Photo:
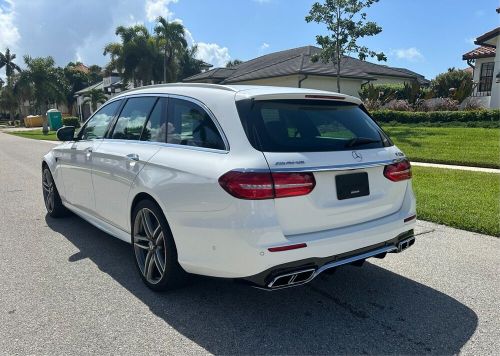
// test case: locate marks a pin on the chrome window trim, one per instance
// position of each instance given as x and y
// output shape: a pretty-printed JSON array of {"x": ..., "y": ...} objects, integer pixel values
[
  {"x": 170, "y": 145},
  {"x": 194, "y": 101},
  {"x": 337, "y": 167}
]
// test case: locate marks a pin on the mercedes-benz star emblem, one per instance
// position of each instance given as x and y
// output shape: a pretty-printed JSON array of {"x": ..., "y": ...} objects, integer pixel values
[{"x": 357, "y": 156}]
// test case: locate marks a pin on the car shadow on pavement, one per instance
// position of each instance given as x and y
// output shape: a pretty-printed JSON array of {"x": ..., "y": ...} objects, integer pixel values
[{"x": 354, "y": 311}]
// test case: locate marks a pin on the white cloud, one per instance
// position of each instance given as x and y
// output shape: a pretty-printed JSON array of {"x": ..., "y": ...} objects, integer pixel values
[
  {"x": 155, "y": 8},
  {"x": 80, "y": 32},
  {"x": 9, "y": 33},
  {"x": 213, "y": 53},
  {"x": 411, "y": 54},
  {"x": 263, "y": 48}
]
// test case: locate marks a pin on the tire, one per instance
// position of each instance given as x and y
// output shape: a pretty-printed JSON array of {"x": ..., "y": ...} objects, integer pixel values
[
  {"x": 51, "y": 196},
  {"x": 154, "y": 248}
]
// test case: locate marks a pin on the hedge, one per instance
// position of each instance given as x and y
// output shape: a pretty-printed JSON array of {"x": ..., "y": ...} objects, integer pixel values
[
  {"x": 489, "y": 117},
  {"x": 71, "y": 121}
]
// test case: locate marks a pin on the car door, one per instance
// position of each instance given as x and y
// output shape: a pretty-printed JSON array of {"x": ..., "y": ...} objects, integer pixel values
[
  {"x": 122, "y": 155},
  {"x": 76, "y": 161}
]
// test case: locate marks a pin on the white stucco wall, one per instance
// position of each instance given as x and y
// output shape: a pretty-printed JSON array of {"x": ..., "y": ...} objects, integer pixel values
[
  {"x": 391, "y": 80},
  {"x": 347, "y": 86},
  {"x": 495, "y": 88},
  {"x": 483, "y": 101}
]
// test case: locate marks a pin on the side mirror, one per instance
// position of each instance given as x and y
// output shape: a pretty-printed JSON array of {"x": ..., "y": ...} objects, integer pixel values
[{"x": 66, "y": 133}]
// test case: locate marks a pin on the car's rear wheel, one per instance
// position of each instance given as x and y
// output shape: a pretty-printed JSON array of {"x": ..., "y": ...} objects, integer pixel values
[
  {"x": 51, "y": 197},
  {"x": 154, "y": 248}
]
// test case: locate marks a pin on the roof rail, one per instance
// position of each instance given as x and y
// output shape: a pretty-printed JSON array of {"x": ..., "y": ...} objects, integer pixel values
[{"x": 192, "y": 85}]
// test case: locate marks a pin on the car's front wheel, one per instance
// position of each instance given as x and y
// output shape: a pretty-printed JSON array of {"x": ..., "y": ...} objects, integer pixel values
[
  {"x": 51, "y": 197},
  {"x": 154, "y": 248}
]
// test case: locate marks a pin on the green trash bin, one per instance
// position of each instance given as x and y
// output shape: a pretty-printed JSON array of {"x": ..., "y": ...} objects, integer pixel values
[{"x": 54, "y": 117}]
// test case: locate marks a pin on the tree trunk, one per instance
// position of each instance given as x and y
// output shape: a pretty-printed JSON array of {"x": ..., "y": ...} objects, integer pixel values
[{"x": 165, "y": 66}]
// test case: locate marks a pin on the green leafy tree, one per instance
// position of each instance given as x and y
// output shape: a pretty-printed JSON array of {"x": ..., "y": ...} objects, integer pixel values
[
  {"x": 8, "y": 101},
  {"x": 346, "y": 24},
  {"x": 95, "y": 97},
  {"x": 95, "y": 74},
  {"x": 77, "y": 79},
  {"x": 233, "y": 63},
  {"x": 170, "y": 38},
  {"x": 44, "y": 83},
  {"x": 189, "y": 64},
  {"x": 454, "y": 83},
  {"x": 7, "y": 61}
]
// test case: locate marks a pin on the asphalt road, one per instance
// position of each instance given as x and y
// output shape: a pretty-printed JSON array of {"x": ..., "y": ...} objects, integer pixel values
[{"x": 67, "y": 288}]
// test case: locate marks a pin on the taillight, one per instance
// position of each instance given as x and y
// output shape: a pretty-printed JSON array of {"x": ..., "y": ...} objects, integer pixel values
[
  {"x": 292, "y": 184},
  {"x": 257, "y": 185},
  {"x": 398, "y": 171}
]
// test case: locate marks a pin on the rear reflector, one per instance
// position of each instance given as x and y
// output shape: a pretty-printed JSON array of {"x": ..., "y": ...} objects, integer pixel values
[
  {"x": 410, "y": 218},
  {"x": 398, "y": 171},
  {"x": 287, "y": 248},
  {"x": 258, "y": 185}
]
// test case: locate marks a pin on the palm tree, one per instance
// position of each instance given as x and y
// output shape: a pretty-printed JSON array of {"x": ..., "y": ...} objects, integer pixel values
[
  {"x": 135, "y": 57},
  {"x": 95, "y": 97},
  {"x": 170, "y": 36},
  {"x": 6, "y": 60}
]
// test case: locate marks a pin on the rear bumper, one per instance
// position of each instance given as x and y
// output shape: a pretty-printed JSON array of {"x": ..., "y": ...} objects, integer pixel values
[
  {"x": 236, "y": 242},
  {"x": 300, "y": 272}
]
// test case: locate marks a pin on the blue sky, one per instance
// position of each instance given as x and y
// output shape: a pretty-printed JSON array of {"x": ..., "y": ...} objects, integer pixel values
[{"x": 426, "y": 36}]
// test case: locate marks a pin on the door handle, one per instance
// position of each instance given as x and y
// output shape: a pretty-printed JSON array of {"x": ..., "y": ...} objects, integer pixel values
[{"x": 133, "y": 156}]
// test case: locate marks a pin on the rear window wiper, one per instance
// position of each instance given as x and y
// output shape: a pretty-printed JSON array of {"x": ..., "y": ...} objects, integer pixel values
[{"x": 359, "y": 141}]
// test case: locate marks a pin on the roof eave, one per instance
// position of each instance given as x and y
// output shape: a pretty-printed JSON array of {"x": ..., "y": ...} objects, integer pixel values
[{"x": 481, "y": 40}]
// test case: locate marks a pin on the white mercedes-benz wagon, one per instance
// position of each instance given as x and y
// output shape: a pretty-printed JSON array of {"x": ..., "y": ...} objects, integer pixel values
[{"x": 267, "y": 185}]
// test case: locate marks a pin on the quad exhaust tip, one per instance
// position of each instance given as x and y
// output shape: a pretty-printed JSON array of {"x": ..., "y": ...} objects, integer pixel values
[{"x": 304, "y": 276}]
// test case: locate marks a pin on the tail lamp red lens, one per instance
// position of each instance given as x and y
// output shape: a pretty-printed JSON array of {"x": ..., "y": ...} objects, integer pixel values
[
  {"x": 266, "y": 185},
  {"x": 398, "y": 171}
]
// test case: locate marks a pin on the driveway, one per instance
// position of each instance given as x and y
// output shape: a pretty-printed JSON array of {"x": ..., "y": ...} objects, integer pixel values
[{"x": 66, "y": 287}]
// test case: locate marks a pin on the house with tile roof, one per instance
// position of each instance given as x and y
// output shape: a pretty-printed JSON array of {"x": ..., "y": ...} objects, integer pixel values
[
  {"x": 294, "y": 68},
  {"x": 485, "y": 62}
]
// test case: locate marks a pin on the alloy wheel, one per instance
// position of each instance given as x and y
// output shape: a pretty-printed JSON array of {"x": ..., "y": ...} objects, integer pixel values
[
  {"x": 149, "y": 245},
  {"x": 48, "y": 190}
]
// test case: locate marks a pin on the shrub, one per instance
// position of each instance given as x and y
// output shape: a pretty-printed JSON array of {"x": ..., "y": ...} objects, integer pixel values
[
  {"x": 398, "y": 105},
  {"x": 476, "y": 118},
  {"x": 71, "y": 121},
  {"x": 437, "y": 104},
  {"x": 457, "y": 80},
  {"x": 383, "y": 94}
]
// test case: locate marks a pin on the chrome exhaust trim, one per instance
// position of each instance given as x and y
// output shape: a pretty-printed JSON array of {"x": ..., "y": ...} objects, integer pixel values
[
  {"x": 292, "y": 279},
  {"x": 304, "y": 276}
]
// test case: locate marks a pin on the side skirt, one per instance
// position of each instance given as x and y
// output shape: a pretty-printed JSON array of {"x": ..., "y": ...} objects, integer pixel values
[{"x": 100, "y": 224}]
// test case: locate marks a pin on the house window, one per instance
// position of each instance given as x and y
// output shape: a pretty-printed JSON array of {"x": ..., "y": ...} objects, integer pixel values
[{"x": 486, "y": 76}]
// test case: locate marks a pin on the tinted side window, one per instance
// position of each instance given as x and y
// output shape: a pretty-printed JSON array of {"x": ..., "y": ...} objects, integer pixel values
[
  {"x": 132, "y": 118},
  {"x": 156, "y": 127},
  {"x": 97, "y": 125},
  {"x": 189, "y": 124}
]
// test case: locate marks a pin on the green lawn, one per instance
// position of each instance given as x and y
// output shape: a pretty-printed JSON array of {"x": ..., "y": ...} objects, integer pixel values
[
  {"x": 35, "y": 134},
  {"x": 466, "y": 146},
  {"x": 462, "y": 199}
]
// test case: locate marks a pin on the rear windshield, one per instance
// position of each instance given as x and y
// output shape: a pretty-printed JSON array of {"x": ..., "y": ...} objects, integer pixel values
[{"x": 309, "y": 126}]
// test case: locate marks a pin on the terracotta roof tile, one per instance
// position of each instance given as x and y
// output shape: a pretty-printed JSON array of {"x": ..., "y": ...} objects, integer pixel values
[{"x": 480, "y": 52}]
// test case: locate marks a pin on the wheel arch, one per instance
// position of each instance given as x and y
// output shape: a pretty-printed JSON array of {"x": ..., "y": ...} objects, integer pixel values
[{"x": 142, "y": 195}]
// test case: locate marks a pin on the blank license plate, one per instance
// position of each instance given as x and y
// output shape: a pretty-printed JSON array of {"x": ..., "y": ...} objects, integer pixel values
[{"x": 352, "y": 185}]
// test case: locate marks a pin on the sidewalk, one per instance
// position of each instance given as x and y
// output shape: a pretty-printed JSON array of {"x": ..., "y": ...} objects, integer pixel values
[{"x": 462, "y": 168}]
